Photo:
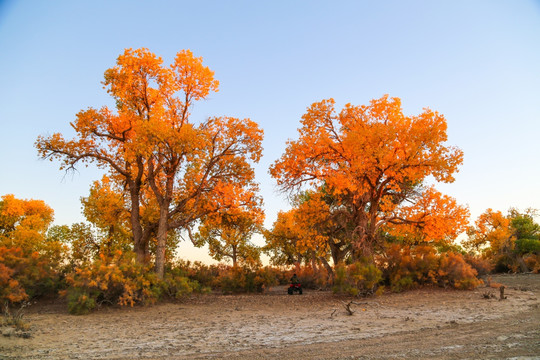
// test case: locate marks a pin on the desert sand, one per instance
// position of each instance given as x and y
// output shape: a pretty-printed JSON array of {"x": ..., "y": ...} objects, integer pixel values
[{"x": 426, "y": 323}]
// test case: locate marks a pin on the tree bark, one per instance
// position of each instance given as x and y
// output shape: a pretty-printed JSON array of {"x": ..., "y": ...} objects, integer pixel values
[
  {"x": 139, "y": 245},
  {"x": 234, "y": 256},
  {"x": 161, "y": 241},
  {"x": 328, "y": 269},
  {"x": 314, "y": 263}
]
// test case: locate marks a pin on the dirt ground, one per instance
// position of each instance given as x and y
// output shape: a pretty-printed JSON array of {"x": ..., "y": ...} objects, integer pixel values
[{"x": 427, "y": 323}]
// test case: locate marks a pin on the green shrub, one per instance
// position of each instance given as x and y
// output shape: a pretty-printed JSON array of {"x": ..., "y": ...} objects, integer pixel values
[
  {"x": 528, "y": 246},
  {"x": 204, "y": 275},
  {"x": 177, "y": 285},
  {"x": 237, "y": 279},
  {"x": 399, "y": 284},
  {"x": 80, "y": 302},
  {"x": 358, "y": 279}
]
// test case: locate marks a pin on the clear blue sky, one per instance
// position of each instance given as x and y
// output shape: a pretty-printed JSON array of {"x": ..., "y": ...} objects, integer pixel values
[{"x": 477, "y": 62}]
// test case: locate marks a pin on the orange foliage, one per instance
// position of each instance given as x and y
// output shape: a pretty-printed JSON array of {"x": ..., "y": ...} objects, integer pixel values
[
  {"x": 299, "y": 235},
  {"x": 532, "y": 261},
  {"x": 407, "y": 267},
  {"x": 312, "y": 231},
  {"x": 309, "y": 277},
  {"x": 491, "y": 229},
  {"x": 312, "y": 216},
  {"x": 115, "y": 279},
  {"x": 373, "y": 158},
  {"x": 482, "y": 265},
  {"x": 228, "y": 234},
  {"x": 10, "y": 288},
  {"x": 154, "y": 151},
  {"x": 23, "y": 222},
  {"x": 105, "y": 206},
  {"x": 29, "y": 262},
  {"x": 454, "y": 271},
  {"x": 441, "y": 217},
  {"x": 282, "y": 239}
]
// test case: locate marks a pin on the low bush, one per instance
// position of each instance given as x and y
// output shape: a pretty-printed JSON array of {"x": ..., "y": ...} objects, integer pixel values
[
  {"x": 406, "y": 267},
  {"x": 506, "y": 263},
  {"x": 455, "y": 272},
  {"x": 117, "y": 279},
  {"x": 532, "y": 262},
  {"x": 309, "y": 277},
  {"x": 81, "y": 301},
  {"x": 175, "y": 285},
  {"x": 482, "y": 265},
  {"x": 237, "y": 279},
  {"x": 204, "y": 275},
  {"x": 265, "y": 277},
  {"x": 26, "y": 275},
  {"x": 361, "y": 278}
]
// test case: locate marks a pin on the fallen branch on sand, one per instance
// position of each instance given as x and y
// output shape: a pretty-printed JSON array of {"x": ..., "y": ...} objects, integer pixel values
[{"x": 350, "y": 311}]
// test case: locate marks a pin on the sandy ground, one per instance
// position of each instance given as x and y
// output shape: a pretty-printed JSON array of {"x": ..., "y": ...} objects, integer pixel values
[{"x": 427, "y": 323}]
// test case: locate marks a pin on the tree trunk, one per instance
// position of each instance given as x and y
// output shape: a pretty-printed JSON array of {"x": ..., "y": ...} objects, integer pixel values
[
  {"x": 161, "y": 241},
  {"x": 139, "y": 245},
  {"x": 234, "y": 256},
  {"x": 164, "y": 201},
  {"x": 314, "y": 263},
  {"x": 140, "y": 252},
  {"x": 328, "y": 269},
  {"x": 522, "y": 266}
]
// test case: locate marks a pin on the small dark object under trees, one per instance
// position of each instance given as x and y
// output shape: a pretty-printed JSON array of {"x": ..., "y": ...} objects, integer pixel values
[{"x": 501, "y": 290}]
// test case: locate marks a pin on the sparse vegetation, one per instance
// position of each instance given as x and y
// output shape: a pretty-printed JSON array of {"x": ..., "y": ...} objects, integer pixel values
[{"x": 12, "y": 321}]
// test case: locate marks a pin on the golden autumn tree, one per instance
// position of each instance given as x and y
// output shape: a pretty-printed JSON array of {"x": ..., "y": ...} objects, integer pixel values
[
  {"x": 282, "y": 241},
  {"x": 507, "y": 240},
  {"x": 23, "y": 223},
  {"x": 153, "y": 150},
  {"x": 84, "y": 242},
  {"x": 228, "y": 234},
  {"x": 216, "y": 174},
  {"x": 29, "y": 259},
  {"x": 492, "y": 232},
  {"x": 374, "y": 160},
  {"x": 113, "y": 140},
  {"x": 325, "y": 224},
  {"x": 310, "y": 232},
  {"x": 105, "y": 208}
]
